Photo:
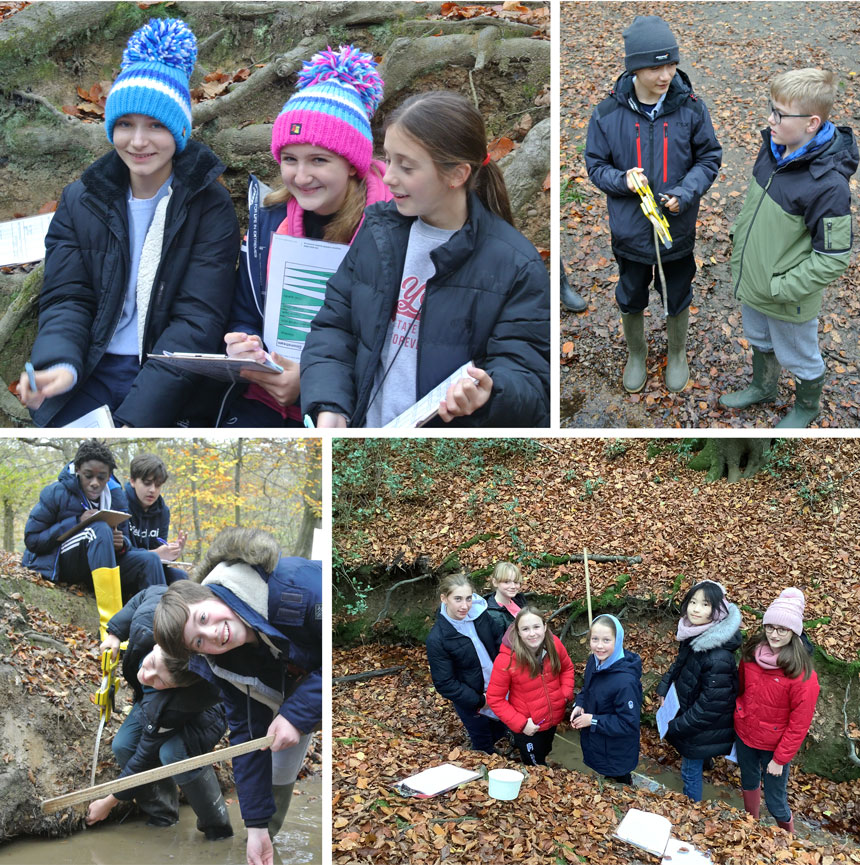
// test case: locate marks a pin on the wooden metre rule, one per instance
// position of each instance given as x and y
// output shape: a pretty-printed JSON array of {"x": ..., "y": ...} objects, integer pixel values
[{"x": 49, "y": 806}]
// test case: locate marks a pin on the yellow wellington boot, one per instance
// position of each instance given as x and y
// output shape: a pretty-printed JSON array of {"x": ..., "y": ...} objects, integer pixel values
[{"x": 108, "y": 595}]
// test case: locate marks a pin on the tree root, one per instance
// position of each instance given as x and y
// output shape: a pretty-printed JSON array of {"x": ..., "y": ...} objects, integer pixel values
[{"x": 853, "y": 756}]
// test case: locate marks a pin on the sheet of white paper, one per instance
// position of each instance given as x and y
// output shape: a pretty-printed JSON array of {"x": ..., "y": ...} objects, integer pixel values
[
  {"x": 98, "y": 418},
  {"x": 299, "y": 269},
  {"x": 646, "y": 830},
  {"x": 420, "y": 412},
  {"x": 733, "y": 754},
  {"x": 23, "y": 240},
  {"x": 683, "y": 853},
  {"x": 439, "y": 778},
  {"x": 668, "y": 710}
]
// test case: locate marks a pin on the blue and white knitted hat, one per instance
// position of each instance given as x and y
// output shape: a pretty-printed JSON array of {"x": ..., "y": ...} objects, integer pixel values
[
  {"x": 337, "y": 94},
  {"x": 156, "y": 66}
]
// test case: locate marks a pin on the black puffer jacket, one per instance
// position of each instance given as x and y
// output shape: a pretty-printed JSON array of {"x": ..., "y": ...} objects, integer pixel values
[
  {"x": 496, "y": 611},
  {"x": 454, "y": 664},
  {"x": 487, "y": 302},
  {"x": 59, "y": 509},
  {"x": 705, "y": 674},
  {"x": 87, "y": 259},
  {"x": 678, "y": 151}
]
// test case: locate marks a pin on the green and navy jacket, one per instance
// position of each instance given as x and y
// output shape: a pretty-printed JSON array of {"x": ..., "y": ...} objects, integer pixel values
[{"x": 793, "y": 234}]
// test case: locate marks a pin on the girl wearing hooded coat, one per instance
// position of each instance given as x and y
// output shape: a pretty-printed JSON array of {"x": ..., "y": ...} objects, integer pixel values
[
  {"x": 777, "y": 692},
  {"x": 706, "y": 680},
  {"x": 461, "y": 647},
  {"x": 323, "y": 144},
  {"x": 607, "y": 709},
  {"x": 531, "y": 684}
]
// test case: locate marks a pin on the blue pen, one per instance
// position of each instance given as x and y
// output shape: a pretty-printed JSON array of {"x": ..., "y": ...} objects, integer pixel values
[
  {"x": 161, "y": 541},
  {"x": 31, "y": 375}
]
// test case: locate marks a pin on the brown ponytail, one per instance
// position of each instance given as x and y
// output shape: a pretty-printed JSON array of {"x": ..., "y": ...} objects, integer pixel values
[{"x": 451, "y": 130}]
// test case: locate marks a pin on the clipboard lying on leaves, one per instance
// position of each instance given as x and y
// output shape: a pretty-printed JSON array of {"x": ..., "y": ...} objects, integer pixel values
[{"x": 436, "y": 780}]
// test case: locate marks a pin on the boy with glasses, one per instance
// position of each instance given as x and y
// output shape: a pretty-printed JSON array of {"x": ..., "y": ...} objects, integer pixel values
[
  {"x": 653, "y": 126},
  {"x": 792, "y": 238}
]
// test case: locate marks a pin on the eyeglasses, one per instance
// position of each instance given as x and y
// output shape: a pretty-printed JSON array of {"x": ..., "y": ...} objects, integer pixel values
[
  {"x": 773, "y": 629},
  {"x": 778, "y": 115}
]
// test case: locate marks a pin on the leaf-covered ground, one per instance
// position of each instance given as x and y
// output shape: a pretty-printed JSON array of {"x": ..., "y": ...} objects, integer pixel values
[
  {"x": 387, "y": 729},
  {"x": 730, "y": 51},
  {"x": 798, "y": 524}
]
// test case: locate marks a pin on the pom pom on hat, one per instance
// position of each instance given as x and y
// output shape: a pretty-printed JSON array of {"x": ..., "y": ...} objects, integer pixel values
[
  {"x": 156, "y": 66},
  {"x": 336, "y": 95},
  {"x": 787, "y": 611}
]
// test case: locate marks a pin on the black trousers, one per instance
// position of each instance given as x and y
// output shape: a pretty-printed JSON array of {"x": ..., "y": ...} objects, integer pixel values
[
  {"x": 635, "y": 278},
  {"x": 533, "y": 749}
]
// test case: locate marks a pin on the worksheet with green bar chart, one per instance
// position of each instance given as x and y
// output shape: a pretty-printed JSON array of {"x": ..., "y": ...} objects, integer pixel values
[{"x": 299, "y": 269}]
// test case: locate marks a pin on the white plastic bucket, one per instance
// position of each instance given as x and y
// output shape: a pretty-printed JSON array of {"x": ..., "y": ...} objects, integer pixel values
[{"x": 504, "y": 783}]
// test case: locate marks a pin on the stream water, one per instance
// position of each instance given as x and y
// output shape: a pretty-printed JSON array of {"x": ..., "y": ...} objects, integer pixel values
[{"x": 132, "y": 842}]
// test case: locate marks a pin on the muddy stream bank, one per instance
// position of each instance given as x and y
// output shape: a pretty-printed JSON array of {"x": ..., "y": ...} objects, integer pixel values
[{"x": 132, "y": 842}]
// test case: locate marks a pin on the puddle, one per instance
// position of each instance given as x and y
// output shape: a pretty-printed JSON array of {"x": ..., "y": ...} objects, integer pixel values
[{"x": 132, "y": 842}]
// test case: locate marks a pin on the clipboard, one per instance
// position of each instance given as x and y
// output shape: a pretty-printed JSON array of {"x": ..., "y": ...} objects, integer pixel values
[
  {"x": 435, "y": 780},
  {"x": 112, "y": 518},
  {"x": 218, "y": 366}
]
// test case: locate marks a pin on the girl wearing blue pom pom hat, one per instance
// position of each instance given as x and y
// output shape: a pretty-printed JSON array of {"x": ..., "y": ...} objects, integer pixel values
[
  {"x": 324, "y": 145},
  {"x": 140, "y": 255},
  {"x": 436, "y": 279}
]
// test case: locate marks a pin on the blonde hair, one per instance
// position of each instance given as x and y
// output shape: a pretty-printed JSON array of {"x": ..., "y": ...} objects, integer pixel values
[
  {"x": 526, "y": 659},
  {"x": 347, "y": 218},
  {"x": 506, "y": 571},
  {"x": 812, "y": 91}
]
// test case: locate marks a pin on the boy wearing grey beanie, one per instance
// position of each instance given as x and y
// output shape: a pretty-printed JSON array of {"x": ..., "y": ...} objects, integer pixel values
[{"x": 653, "y": 126}]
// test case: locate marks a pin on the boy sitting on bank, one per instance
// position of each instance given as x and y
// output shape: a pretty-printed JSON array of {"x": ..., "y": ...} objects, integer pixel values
[
  {"x": 149, "y": 526},
  {"x": 98, "y": 556},
  {"x": 176, "y": 715},
  {"x": 792, "y": 238}
]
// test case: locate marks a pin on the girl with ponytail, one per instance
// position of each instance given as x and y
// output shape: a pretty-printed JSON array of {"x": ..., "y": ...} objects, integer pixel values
[
  {"x": 435, "y": 279},
  {"x": 324, "y": 146}
]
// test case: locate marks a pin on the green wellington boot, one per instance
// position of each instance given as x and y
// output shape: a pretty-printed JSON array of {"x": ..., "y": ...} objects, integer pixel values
[
  {"x": 807, "y": 398},
  {"x": 635, "y": 373},
  {"x": 764, "y": 383},
  {"x": 677, "y": 371}
]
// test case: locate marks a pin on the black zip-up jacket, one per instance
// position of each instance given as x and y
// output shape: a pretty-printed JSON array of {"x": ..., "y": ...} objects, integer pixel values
[
  {"x": 454, "y": 665},
  {"x": 487, "y": 302},
  {"x": 496, "y": 611},
  {"x": 146, "y": 526},
  {"x": 678, "y": 151},
  {"x": 87, "y": 259},
  {"x": 705, "y": 674}
]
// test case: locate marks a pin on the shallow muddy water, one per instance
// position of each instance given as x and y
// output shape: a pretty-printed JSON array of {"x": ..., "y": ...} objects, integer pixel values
[{"x": 132, "y": 842}]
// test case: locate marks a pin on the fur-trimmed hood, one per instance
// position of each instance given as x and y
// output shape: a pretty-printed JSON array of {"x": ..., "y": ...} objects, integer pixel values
[
  {"x": 723, "y": 634},
  {"x": 234, "y": 545}
]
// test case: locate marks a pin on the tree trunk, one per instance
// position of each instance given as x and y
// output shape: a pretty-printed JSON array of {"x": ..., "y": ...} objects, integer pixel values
[
  {"x": 310, "y": 520},
  {"x": 8, "y": 525},
  {"x": 237, "y": 483}
]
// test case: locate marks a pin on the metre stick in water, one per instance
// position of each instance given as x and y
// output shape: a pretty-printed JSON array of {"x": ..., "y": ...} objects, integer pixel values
[{"x": 49, "y": 806}]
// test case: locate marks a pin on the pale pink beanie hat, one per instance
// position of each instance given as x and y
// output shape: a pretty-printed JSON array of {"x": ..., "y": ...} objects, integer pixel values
[{"x": 787, "y": 611}]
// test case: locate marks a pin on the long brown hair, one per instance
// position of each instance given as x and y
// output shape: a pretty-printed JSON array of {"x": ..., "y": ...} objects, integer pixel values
[
  {"x": 525, "y": 658},
  {"x": 345, "y": 222},
  {"x": 794, "y": 659},
  {"x": 451, "y": 130}
]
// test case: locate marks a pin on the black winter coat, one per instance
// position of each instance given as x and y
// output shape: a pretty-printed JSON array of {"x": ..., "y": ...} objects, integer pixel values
[
  {"x": 614, "y": 697},
  {"x": 705, "y": 674},
  {"x": 59, "y": 509},
  {"x": 146, "y": 526},
  {"x": 499, "y": 613},
  {"x": 678, "y": 150},
  {"x": 454, "y": 665},
  {"x": 487, "y": 302},
  {"x": 87, "y": 259},
  {"x": 134, "y": 623}
]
